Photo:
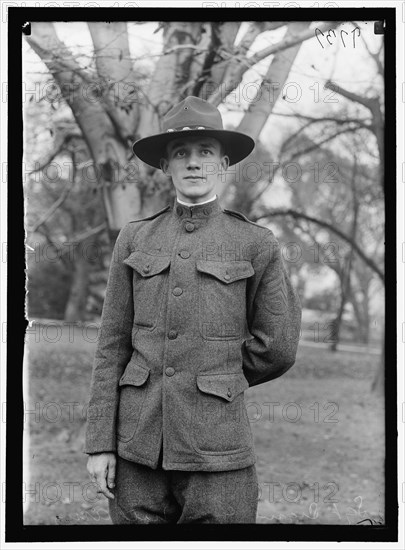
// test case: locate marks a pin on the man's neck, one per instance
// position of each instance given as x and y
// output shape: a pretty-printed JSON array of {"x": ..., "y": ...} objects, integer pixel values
[{"x": 195, "y": 203}]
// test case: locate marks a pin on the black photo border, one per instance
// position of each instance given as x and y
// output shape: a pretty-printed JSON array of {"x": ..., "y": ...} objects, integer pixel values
[{"x": 15, "y": 530}]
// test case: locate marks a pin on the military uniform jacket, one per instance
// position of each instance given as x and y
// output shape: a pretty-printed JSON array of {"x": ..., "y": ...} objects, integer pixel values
[{"x": 198, "y": 308}]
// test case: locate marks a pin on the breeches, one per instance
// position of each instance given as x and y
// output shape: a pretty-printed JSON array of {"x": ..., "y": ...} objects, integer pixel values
[{"x": 143, "y": 495}]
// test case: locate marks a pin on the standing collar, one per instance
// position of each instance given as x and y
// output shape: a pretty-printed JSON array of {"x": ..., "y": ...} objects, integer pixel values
[
  {"x": 203, "y": 210},
  {"x": 191, "y": 204}
]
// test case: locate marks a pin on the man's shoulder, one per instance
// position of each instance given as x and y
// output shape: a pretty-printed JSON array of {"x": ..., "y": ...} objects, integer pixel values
[
  {"x": 152, "y": 216},
  {"x": 129, "y": 230},
  {"x": 245, "y": 219}
]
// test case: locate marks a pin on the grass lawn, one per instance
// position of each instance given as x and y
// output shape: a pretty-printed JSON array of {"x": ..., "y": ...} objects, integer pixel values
[{"x": 318, "y": 430}]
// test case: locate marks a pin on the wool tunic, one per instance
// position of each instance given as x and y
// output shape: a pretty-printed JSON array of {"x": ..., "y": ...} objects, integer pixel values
[{"x": 198, "y": 307}]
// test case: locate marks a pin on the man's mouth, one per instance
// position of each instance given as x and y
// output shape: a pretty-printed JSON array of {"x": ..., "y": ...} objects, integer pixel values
[{"x": 194, "y": 178}]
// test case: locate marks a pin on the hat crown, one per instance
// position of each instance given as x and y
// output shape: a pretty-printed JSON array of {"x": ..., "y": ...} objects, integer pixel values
[{"x": 192, "y": 113}]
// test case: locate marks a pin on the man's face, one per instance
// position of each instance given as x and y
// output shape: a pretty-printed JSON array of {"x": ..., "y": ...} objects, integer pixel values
[{"x": 196, "y": 165}]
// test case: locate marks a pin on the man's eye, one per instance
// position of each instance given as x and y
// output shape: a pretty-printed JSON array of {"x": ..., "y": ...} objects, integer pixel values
[
  {"x": 206, "y": 151},
  {"x": 179, "y": 153}
]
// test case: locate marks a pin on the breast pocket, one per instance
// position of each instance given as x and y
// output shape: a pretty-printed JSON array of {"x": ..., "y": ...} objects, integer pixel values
[
  {"x": 222, "y": 298},
  {"x": 149, "y": 286}
]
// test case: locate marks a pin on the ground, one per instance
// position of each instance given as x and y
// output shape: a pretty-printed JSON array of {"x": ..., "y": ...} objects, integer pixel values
[{"x": 318, "y": 431}]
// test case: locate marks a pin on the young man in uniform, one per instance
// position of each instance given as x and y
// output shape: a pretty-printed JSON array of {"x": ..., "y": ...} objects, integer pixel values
[{"x": 198, "y": 308}]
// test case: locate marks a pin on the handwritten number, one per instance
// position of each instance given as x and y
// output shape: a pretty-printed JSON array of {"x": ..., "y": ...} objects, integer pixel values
[
  {"x": 354, "y": 36},
  {"x": 316, "y": 34},
  {"x": 331, "y": 31},
  {"x": 313, "y": 508},
  {"x": 327, "y": 36}
]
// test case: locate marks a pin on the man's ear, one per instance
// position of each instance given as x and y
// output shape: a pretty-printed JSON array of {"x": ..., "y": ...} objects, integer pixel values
[
  {"x": 164, "y": 166},
  {"x": 225, "y": 162}
]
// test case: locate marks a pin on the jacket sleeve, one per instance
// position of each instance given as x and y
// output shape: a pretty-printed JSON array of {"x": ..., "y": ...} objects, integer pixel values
[
  {"x": 113, "y": 351},
  {"x": 274, "y": 317}
]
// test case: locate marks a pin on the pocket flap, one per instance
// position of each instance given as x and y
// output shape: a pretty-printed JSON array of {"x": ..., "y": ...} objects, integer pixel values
[
  {"x": 227, "y": 272},
  {"x": 134, "y": 375},
  {"x": 227, "y": 386},
  {"x": 146, "y": 264}
]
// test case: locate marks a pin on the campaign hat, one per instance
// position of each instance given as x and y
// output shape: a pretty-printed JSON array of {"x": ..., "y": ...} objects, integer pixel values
[{"x": 193, "y": 117}]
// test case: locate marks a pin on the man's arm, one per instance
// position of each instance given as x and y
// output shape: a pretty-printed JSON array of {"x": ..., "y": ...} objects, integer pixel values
[
  {"x": 274, "y": 317},
  {"x": 113, "y": 352}
]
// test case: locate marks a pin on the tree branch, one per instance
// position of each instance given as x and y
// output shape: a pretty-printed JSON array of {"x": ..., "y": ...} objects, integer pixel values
[
  {"x": 373, "y": 105},
  {"x": 312, "y": 120},
  {"x": 260, "y": 107},
  {"x": 53, "y": 208},
  {"x": 291, "y": 41},
  {"x": 375, "y": 56},
  {"x": 322, "y": 142},
  {"x": 254, "y": 30},
  {"x": 61, "y": 59},
  {"x": 56, "y": 152},
  {"x": 90, "y": 233},
  {"x": 368, "y": 102},
  {"x": 234, "y": 77},
  {"x": 300, "y": 215},
  {"x": 113, "y": 69}
]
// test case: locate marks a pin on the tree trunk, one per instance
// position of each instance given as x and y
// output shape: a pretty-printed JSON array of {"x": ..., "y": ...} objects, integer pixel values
[
  {"x": 169, "y": 75},
  {"x": 261, "y": 106},
  {"x": 168, "y": 85},
  {"x": 112, "y": 113},
  {"x": 116, "y": 174},
  {"x": 346, "y": 272},
  {"x": 345, "y": 285},
  {"x": 238, "y": 65},
  {"x": 362, "y": 318},
  {"x": 76, "y": 305}
]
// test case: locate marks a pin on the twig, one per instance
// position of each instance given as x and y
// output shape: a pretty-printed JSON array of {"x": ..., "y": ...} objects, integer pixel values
[
  {"x": 322, "y": 223},
  {"x": 53, "y": 208}
]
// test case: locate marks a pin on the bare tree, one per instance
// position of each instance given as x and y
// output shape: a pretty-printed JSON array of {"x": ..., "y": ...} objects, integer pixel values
[
  {"x": 113, "y": 104},
  {"x": 316, "y": 134}
]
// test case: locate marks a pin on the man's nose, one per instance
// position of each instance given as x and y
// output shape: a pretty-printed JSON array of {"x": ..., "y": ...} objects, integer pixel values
[{"x": 193, "y": 160}]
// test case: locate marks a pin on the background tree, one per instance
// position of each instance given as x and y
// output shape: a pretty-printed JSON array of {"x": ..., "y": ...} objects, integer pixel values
[
  {"x": 107, "y": 99},
  {"x": 359, "y": 202},
  {"x": 114, "y": 102},
  {"x": 66, "y": 238},
  {"x": 67, "y": 241}
]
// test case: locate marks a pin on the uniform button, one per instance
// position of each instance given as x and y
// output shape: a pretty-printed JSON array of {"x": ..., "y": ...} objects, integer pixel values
[
  {"x": 169, "y": 371},
  {"x": 173, "y": 334},
  {"x": 177, "y": 291},
  {"x": 227, "y": 277},
  {"x": 185, "y": 254},
  {"x": 229, "y": 393},
  {"x": 179, "y": 210},
  {"x": 190, "y": 227},
  {"x": 146, "y": 268},
  {"x": 207, "y": 211}
]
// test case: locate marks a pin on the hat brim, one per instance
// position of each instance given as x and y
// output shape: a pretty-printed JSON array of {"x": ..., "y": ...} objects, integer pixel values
[{"x": 236, "y": 145}]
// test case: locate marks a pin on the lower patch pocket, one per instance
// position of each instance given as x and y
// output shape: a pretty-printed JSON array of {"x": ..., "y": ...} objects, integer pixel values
[
  {"x": 133, "y": 390},
  {"x": 220, "y": 424}
]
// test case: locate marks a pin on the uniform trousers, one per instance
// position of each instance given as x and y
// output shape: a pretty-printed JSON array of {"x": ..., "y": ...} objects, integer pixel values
[{"x": 144, "y": 495}]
